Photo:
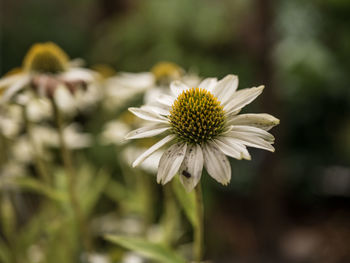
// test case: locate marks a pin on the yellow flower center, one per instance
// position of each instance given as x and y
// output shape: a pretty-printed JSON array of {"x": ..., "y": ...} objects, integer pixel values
[
  {"x": 165, "y": 72},
  {"x": 46, "y": 58},
  {"x": 197, "y": 116}
]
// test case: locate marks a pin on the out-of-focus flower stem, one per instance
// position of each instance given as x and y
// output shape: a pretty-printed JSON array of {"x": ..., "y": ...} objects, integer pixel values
[
  {"x": 198, "y": 230},
  {"x": 71, "y": 176},
  {"x": 38, "y": 162},
  {"x": 170, "y": 214}
]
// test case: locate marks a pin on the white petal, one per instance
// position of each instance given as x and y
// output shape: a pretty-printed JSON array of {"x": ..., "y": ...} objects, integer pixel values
[
  {"x": 156, "y": 109},
  {"x": 252, "y": 131},
  {"x": 147, "y": 114},
  {"x": 147, "y": 131},
  {"x": 141, "y": 80},
  {"x": 216, "y": 163},
  {"x": 166, "y": 100},
  {"x": 152, "y": 149},
  {"x": 177, "y": 87},
  {"x": 15, "y": 87},
  {"x": 228, "y": 149},
  {"x": 242, "y": 98},
  {"x": 252, "y": 141},
  {"x": 208, "y": 84},
  {"x": 225, "y": 88},
  {"x": 192, "y": 166},
  {"x": 83, "y": 74},
  {"x": 9, "y": 80},
  {"x": 170, "y": 162},
  {"x": 263, "y": 121},
  {"x": 235, "y": 145}
]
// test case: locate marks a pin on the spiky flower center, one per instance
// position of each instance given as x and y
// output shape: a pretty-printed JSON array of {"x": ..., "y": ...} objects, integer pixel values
[
  {"x": 197, "y": 116},
  {"x": 46, "y": 58}
]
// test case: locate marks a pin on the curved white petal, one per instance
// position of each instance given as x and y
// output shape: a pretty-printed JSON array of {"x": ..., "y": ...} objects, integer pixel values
[
  {"x": 216, "y": 163},
  {"x": 9, "y": 80},
  {"x": 228, "y": 149},
  {"x": 152, "y": 149},
  {"x": 252, "y": 141},
  {"x": 170, "y": 162},
  {"x": 225, "y": 88},
  {"x": 242, "y": 98},
  {"x": 141, "y": 80},
  {"x": 192, "y": 166},
  {"x": 147, "y": 131},
  {"x": 166, "y": 100},
  {"x": 208, "y": 84},
  {"x": 147, "y": 114},
  {"x": 83, "y": 74},
  {"x": 177, "y": 87},
  {"x": 15, "y": 87},
  {"x": 235, "y": 145},
  {"x": 156, "y": 109},
  {"x": 260, "y": 120},
  {"x": 252, "y": 131}
]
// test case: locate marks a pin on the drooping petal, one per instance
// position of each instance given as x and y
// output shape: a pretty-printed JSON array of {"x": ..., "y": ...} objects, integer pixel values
[
  {"x": 177, "y": 87},
  {"x": 228, "y": 149},
  {"x": 9, "y": 80},
  {"x": 170, "y": 162},
  {"x": 252, "y": 131},
  {"x": 166, "y": 100},
  {"x": 239, "y": 146},
  {"x": 152, "y": 149},
  {"x": 216, "y": 163},
  {"x": 74, "y": 74},
  {"x": 147, "y": 131},
  {"x": 252, "y": 141},
  {"x": 192, "y": 166},
  {"x": 208, "y": 84},
  {"x": 225, "y": 88},
  {"x": 230, "y": 146},
  {"x": 263, "y": 120},
  {"x": 242, "y": 98},
  {"x": 16, "y": 86},
  {"x": 148, "y": 114},
  {"x": 156, "y": 109}
]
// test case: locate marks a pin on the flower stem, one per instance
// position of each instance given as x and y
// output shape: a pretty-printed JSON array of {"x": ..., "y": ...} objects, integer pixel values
[
  {"x": 38, "y": 162},
  {"x": 198, "y": 230},
  {"x": 71, "y": 176}
]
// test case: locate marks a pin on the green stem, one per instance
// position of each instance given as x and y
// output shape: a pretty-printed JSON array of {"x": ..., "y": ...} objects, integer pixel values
[
  {"x": 198, "y": 230},
  {"x": 71, "y": 178},
  {"x": 170, "y": 215},
  {"x": 38, "y": 162}
]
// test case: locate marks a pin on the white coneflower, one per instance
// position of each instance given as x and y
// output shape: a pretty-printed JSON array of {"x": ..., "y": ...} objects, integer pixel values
[
  {"x": 203, "y": 126},
  {"x": 45, "y": 68}
]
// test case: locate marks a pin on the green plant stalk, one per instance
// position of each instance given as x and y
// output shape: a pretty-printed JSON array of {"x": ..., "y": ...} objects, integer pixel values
[
  {"x": 198, "y": 230},
  {"x": 38, "y": 162},
  {"x": 170, "y": 215},
  {"x": 71, "y": 176}
]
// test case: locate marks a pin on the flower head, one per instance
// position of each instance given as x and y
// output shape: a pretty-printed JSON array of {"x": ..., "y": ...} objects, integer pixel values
[
  {"x": 165, "y": 72},
  {"x": 45, "y": 68},
  {"x": 46, "y": 58},
  {"x": 202, "y": 126}
]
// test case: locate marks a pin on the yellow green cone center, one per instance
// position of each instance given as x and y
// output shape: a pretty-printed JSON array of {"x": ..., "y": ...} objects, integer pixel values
[
  {"x": 46, "y": 58},
  {"x": 197, "y": 116}
]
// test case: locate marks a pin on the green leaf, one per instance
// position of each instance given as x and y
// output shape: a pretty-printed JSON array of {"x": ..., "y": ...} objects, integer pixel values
[
  {"x": 157, "y": 252},
  {"x": 187, "y": 201}
]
